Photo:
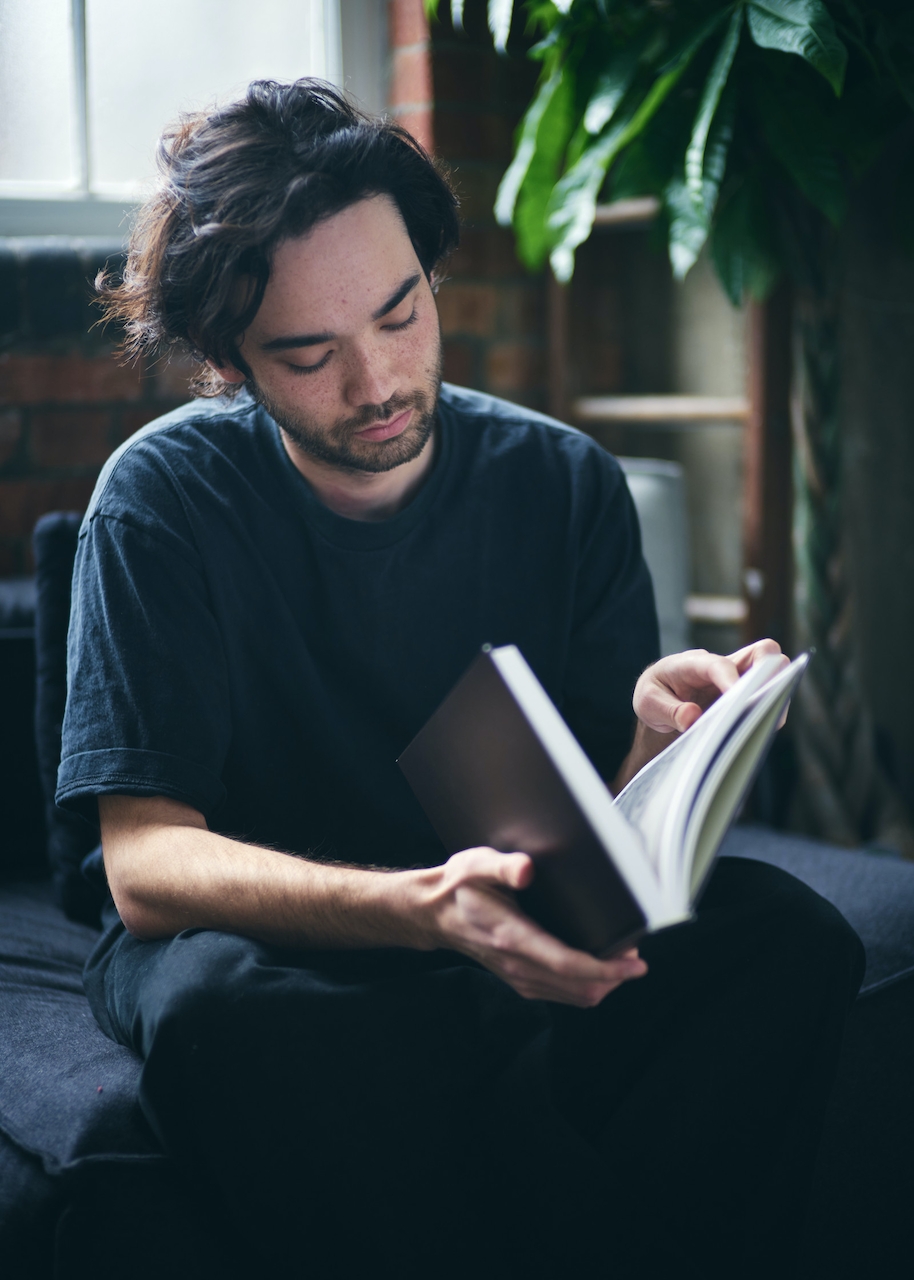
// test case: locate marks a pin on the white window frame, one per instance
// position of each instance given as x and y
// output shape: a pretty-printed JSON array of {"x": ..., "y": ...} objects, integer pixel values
[{"x": 81, "y": 212}]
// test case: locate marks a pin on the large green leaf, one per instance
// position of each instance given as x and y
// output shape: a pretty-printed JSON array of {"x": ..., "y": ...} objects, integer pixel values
[
  {"x": 803, "y": 27},
  {"x": 612, "y": 86},
  {"x": 573, "y": 203},
  {"x": 800, "y": 136},
  {"x": 500, "y": 14},
  {"x": 689, "y": 218},
  {"x": 547, "y": 103},
  {"x": 710, "y": 98},
  {"x": 530, "y": 199},
  {"x": 688, "y": 227},
  {"x": 743, "y": 246},
  {"x": 895, "y": 42}
]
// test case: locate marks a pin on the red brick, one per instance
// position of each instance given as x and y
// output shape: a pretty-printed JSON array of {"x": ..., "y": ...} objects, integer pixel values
[
  {"x": 470, "y": 135},
  {"x": 56, "y": 379},
  {"x": 171, "y": 377},
  {"x": 10, "y": 434},
  {"x": 604, "y": 368},
  {"x": 70, "y": 437},
  {"x": 521, "y": 311},
  {"x": 419, "y": 124},
  {"x": 410, "y": 78},
  {"x": 129, "y": 421},
  {"x": 23, "y": 501},
  {"x": 459, "y": 364},
  {"x": 486, "y": 252},
  {"x": 464, "y": 74},
  {"x": 476, "y": 186},
  {"x": 513, "y": 367},
  {"x": 406, "y": 23},
  {"x": 468, "y": 308}
]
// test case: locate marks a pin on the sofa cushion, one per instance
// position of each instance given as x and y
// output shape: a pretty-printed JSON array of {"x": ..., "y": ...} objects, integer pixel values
[
  {"x": 873, "y": 891},
  {"x": 67, "y": 1093},
  {"x": 70, "y": 839}
]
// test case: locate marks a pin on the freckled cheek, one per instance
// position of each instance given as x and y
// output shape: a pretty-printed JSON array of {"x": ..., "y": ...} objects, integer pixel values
[
  {"x": 421, "y": 345},
  {"x": 314, "y": 396}
]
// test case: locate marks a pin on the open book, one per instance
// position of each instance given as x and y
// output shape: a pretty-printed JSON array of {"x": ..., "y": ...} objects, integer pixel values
[{"x": 497, "y": 765}]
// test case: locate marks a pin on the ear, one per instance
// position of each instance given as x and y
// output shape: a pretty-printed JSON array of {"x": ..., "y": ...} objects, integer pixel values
[{"x": 227, "y": 372}]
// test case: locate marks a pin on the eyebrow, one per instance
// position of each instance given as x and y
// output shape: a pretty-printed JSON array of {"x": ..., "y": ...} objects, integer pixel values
[{"x": 316, "y": 339}]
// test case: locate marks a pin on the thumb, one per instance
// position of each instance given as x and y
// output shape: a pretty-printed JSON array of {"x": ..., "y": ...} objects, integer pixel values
[{"x": 515, "y": 870}]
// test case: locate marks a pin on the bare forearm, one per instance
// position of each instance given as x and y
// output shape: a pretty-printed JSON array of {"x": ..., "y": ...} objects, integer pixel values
[
  {"x": 167, "y": 876},
  {"x": 168, "y": 872}
]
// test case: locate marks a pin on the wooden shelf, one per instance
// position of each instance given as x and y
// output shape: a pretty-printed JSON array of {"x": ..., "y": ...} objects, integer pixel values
[
  {"x": 731, "y": 610},
  {"x": 627, "y": 213},
  {"x": 660, "y": 409}
]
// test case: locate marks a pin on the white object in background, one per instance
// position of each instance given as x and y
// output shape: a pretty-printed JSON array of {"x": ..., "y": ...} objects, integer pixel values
[
  {"x": 86, "y": 129},
  {"x": 141, "y": 73},
  {"x": 658, "y": 492},
  {"x": 363, "y": 30},
  {"x": 38, "y": 143}
]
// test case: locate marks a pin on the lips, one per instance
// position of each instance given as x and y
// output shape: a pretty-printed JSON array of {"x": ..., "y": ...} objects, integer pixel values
[{"x": 386, "y": 430}]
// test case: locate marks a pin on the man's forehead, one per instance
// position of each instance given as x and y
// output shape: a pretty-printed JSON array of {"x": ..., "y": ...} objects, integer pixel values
[{"x": 354, "y": 260}]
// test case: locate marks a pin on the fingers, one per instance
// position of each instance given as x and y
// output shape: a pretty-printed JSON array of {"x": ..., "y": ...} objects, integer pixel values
[
  {"x": 753, "y": 653},
  {"x": 479, "y": 919},
  {"x": 671, "y": 695},
  {"x": 542, "y": 968}
]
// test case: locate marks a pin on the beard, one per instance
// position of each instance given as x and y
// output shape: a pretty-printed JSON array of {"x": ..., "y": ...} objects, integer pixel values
[{"x": 340, "y": 444}]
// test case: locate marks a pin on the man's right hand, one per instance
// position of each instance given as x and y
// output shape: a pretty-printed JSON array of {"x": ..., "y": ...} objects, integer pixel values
[
  {"x": 167, "y": 872},
  {"x": 473, "y": 911}
]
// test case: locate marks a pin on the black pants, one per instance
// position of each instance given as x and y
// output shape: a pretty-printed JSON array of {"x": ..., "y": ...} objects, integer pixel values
[{"x": 404, "y": 1114}]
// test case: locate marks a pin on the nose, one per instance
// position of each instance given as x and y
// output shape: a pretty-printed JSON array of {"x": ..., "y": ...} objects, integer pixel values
[{"x": 370, "y": 379}]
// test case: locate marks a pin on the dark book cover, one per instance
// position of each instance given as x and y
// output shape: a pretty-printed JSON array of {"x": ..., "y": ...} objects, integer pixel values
[{"x": 484, "y": 777}]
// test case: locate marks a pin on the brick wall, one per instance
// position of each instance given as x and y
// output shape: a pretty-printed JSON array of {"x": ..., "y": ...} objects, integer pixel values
[
  {"x": 65, "y": 400},
  {"x": 463, "y": 101},
  {"x": 492, "y": 310}
]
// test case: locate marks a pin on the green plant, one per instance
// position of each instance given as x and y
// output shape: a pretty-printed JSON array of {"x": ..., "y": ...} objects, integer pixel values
[
  {"x": 748, "y": 120},
  {"x": 751, "y": 121}
]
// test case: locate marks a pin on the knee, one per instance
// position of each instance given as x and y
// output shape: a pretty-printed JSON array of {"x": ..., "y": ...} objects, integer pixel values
[
  {"x": 196, "y": 993},
  {"x": 805, "y": 929}
]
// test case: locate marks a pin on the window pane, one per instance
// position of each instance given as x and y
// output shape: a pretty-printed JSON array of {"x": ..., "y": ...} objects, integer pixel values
[
  {"x": 37, "y": 98},
  {"x": 148, "y": 62}
]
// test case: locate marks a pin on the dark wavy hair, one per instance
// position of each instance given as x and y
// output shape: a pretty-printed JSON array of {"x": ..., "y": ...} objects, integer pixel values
[{"x": 236, "y": 182}]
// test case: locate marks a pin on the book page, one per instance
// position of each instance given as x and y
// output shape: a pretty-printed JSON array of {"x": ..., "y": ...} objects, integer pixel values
[
  {"x": 731, "y": 775},
  {"x": 660, "y": 796}
]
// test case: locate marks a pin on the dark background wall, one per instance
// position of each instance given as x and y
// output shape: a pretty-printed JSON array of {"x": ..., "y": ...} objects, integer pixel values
[
  {"x": 877, "y": 372},
  {"x": 463, "y": 102},
  {"x": 66, "y": 401}
]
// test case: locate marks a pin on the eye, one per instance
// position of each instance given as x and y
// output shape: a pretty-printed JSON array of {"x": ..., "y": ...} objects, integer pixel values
[
  {"x": 308, "y": 368},
  {"x": 404, "y": 324}
]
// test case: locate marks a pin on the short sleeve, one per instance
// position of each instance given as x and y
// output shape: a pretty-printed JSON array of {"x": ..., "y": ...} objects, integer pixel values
[
  {"x": 147, "y": 705},
  {"x": 614, "y": 632}
]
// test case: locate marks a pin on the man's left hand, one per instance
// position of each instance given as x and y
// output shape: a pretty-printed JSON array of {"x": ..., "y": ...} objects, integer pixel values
[{"x": 671, "y": 695}]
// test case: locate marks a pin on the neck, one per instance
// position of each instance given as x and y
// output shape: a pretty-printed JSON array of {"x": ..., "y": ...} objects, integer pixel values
[{"x": 363, "y": 495}]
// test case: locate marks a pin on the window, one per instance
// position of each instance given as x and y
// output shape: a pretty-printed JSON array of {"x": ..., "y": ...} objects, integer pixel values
[{"x": 86, "y": 87}]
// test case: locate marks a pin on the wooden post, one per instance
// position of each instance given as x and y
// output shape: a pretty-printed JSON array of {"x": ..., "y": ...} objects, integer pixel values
[
  {"x": 557, "y": 346},
  {"x": 767, "y": 483}
]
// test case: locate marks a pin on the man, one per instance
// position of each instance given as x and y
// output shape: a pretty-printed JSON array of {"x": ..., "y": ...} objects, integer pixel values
[{"x": 369, "y": 1052}]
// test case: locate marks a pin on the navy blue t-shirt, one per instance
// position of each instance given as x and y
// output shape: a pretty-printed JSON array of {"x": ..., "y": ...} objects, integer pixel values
[{"x": 236, "y": 645}]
